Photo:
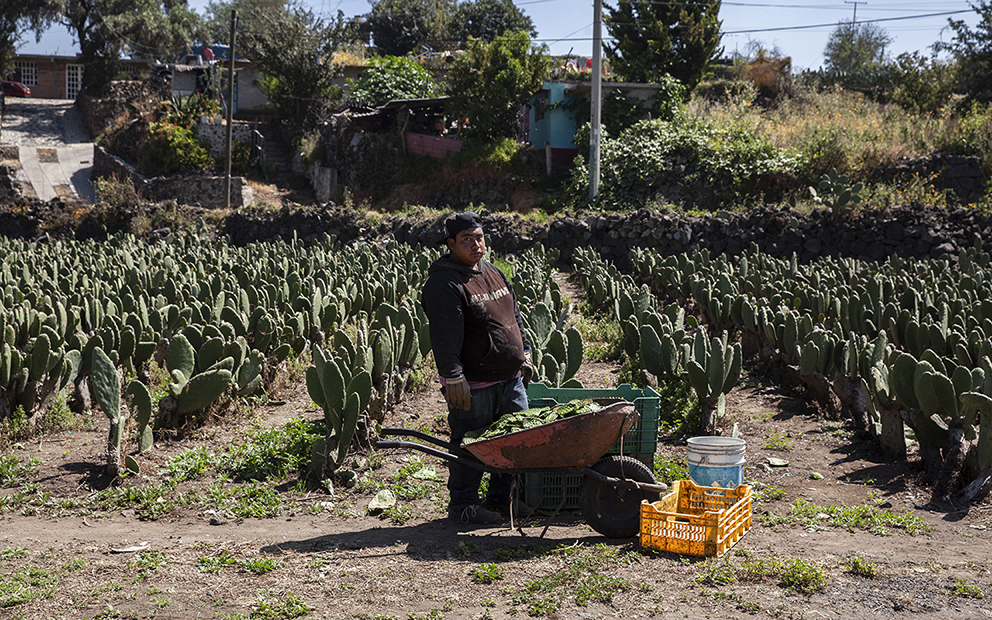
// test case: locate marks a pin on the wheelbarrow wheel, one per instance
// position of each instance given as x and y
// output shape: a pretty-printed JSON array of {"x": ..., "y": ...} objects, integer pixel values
[{"x": 614, "y": 511}]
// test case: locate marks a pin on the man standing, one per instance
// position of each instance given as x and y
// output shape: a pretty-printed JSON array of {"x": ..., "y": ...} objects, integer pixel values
[{"x": 481, "y": 352}]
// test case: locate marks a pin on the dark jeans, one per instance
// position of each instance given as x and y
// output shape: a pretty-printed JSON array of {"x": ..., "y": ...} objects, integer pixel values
[{"x": 488, "y": 404}]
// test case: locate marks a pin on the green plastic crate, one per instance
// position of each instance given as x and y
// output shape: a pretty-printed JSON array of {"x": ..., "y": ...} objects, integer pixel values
[{"x": 544, "y": 491}]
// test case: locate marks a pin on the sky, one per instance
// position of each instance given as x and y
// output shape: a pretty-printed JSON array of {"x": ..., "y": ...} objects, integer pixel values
[{"x": 796, "y": 28}]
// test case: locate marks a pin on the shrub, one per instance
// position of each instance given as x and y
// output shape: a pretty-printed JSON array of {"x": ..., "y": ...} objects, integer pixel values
[
  {"x": 242, "y": 162},
  {"x": 974, "y": 135},
  {"x": 922, "y": 86},
  {"x": 172, "y": 148},
  {"x": 391, "y": 78},
  {"x": 116, "y": 192},
  {"x": 715, "y": 168},
  {"x": 825, "y": 150},
  {"x": 186, "y": 111}
]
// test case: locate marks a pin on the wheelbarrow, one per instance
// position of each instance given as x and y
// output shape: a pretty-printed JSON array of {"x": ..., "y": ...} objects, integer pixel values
[{"x": 612, "y": 486}]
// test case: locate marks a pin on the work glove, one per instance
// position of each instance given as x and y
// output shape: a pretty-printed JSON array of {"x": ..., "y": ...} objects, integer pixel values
[
  {"x": 457, "y": 393},
  {"x": 527, "y": 370}
]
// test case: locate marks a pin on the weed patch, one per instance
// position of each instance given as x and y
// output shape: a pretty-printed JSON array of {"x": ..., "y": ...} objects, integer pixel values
[
  {"x": 878, "y": 521},
  {"x": 247, "y": 500},
  {"x": 14, "y": 469},
  {"x": 861, "y": 567},
  {"x": 961, "y": 588},
  {"x": 778, "y": 441}
]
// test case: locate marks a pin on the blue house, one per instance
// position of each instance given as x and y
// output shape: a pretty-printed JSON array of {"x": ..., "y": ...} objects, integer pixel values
[{"x": 551, "y": 121}]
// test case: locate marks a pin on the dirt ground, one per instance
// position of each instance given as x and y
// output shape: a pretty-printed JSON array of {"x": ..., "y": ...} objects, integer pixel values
[{"x": 330, "y": 559}]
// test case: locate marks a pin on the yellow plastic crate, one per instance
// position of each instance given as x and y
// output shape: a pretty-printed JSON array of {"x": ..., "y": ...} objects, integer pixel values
[{"x": 696, "y": 520}]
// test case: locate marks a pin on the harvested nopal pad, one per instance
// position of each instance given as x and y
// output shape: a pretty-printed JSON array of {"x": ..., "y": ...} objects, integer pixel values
[{"x": 523, "y": 420}]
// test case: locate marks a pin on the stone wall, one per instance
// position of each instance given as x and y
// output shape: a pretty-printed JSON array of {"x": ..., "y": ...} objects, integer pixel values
[
  {"x": 11, "y": 187},
  {"x": 124, "y": 101},
  {"x": 961, "y": 175},
  {"x": 203, "y": 191},
  {"x": 913, "y": 230},
  {"x": 216, "y": 135}
]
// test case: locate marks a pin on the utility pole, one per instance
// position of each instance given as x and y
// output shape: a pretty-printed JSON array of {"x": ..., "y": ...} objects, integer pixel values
[
  {"x": 597, "y": 97},
  {"x": 230, "y": 110},
  {"x": 855, "y": 20}
]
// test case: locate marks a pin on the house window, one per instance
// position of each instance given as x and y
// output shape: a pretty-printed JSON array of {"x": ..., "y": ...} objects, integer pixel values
[
  {"x": 27, "y": 72},
  {"x": 540, "y": 105}
]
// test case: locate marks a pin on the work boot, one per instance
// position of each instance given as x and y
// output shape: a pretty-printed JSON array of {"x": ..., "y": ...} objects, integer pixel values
[
  {"x": 520, "y": 509},
  {"x": 474, "y": 514}
]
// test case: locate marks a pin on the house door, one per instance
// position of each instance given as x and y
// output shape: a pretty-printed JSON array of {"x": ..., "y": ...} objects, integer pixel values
[{"x": 73, "y": 80}]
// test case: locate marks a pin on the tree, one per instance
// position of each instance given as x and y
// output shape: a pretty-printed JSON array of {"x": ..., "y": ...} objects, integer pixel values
[
  {"x": 391, "y": 78},
  {"x": 853, "y": 46},
  {"x": 923, "y": 86},
  {"x": 490, "y": 81},
  {"x": 651, "y": 39},
  {"x": 294, "y": 51},
  {"x": 217, "y": 19},
  {"x": 17, "y": 18},
  {"x": 973, "y": 51},
  {"x": 105, "y": 29},
  {"x": 487, "y": 19},
  {"x": 403, "y": 26}
]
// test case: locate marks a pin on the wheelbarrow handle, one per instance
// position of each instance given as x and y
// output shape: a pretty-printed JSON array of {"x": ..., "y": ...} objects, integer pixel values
[
  {"x": 409, "y": 432},
  {"x": 465, "y": 459},
  {"x": 661, "y": 487}
]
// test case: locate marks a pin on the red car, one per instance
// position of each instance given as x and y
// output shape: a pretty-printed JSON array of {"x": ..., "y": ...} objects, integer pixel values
[{"x": 15, "y": 89}]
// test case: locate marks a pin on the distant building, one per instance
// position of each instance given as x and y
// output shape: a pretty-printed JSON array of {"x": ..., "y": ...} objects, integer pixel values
[{"x": 58, "y": 77}]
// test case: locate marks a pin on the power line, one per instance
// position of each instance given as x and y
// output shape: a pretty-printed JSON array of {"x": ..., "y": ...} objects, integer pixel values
[
  {"x": 866, "y": 21},
  {"x": 777, "y": 29}
]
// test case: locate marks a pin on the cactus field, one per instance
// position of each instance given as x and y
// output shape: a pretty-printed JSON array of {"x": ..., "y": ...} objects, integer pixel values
[{"x": 187, "y": 431}]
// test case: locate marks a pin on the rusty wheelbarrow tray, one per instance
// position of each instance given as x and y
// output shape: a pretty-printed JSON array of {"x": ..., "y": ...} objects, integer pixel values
[
  {"x": 575, "y": 441},
  {"x": 612, "y": 486}
]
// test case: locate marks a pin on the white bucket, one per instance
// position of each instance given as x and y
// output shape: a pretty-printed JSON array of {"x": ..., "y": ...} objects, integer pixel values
[{"x": 716, "y": 461}]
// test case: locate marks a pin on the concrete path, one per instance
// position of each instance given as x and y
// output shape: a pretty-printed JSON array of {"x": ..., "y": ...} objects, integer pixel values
[{"x": 56, "y": 155}]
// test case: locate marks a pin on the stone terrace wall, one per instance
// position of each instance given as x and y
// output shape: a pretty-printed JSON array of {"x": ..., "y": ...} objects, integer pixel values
[
  {"x": 913, "y": 230},
  {"x": 204, "y": 191}
]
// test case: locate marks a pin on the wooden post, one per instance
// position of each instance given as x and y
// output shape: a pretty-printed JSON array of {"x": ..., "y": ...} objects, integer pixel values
[{"x": 230, "y": 110}]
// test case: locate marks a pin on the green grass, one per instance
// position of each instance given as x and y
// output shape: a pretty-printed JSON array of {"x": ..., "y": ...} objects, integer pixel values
[
  {"x": 793, "y": 574},
  {"x": 716, "y": 574},
  {"x": 871, "y": 519},
  {"x": 765, "y": 493},
  {"x": 151, "y": 501},
  {"x": 150, "y": 560},
  {"x": 600, "y": 336},
  {"x": 415, "y": 480},
  {"x": 26, "y": 584}
]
